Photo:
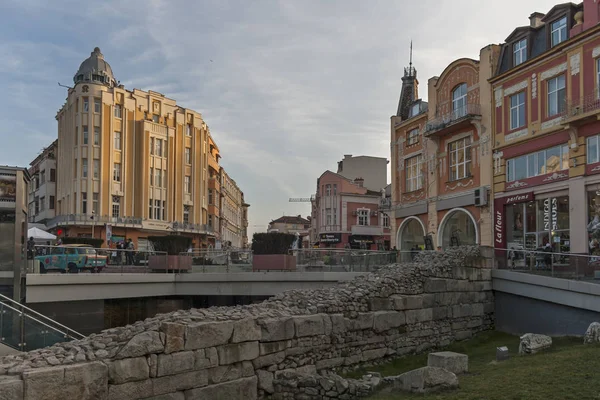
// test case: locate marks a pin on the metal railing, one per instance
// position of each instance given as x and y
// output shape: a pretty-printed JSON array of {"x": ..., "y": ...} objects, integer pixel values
[
  {"x": 573, "y": 108},
  {"x": 97, "y": 219},
  {"x": 557, "y": 265},
  {"x": 342, "y": 260},
  {"x": 226, "y": 260},
  {"x": 24, "y": 329},
  {"x": 443, "y": 120}
]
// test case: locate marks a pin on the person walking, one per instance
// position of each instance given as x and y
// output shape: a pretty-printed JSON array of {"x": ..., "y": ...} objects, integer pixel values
[{"x": 130, "y": 249}]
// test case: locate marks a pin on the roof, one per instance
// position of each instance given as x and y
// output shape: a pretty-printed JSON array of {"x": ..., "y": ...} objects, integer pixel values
[
  {"x": 95, "y": 69},
  {"x": 286, "y": 219}
]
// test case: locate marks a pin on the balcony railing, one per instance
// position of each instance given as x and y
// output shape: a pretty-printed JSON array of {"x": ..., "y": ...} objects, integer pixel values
[
  {"x": 179, "y": 226},
  {"x": 86, "y": 219},
  {"x": 448, "y": 119},
  {"x": 577, "y": 108}
]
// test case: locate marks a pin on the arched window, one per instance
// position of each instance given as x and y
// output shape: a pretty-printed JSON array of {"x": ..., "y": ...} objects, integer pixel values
[
  {"x": 457, "y": 229},
  {"x": 411, "y": 233},
  {"x": 459, "y": 101}
]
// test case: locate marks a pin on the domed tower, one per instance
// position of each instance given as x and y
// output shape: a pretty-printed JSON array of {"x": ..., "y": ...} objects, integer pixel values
[{"x": 95, "y": 70}]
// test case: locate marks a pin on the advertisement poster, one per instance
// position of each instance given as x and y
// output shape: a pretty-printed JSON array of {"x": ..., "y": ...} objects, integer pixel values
[
  {"x": 108, "y": 233},
  {"x": 8, "y": 188}
]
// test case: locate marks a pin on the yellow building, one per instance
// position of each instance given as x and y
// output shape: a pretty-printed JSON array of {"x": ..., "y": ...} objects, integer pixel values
[
  {"x": 132, "y": 163},
  {"x": 232, "y": 212}
]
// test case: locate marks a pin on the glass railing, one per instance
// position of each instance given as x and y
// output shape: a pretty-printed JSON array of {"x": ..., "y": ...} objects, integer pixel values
[{"x": 24, "y": 329}]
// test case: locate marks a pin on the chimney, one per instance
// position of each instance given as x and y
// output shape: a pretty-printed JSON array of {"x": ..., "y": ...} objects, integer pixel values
[
  {"x": 359, "y": 181},
  {"x": 535, "y": 19}
]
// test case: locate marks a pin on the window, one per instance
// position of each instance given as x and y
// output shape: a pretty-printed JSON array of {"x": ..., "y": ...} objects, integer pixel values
[
  {"x": 118, "y": 111},
  {"x": 76, "y": 135},
  {"x": 334, "y": 189},
  {"x": 95, "y": 200},
  {"x": 84, "y": 202},
  {"x": 415, "y": 109},
  {"x": 517, "y": 110},
  {"x": 414, "y": 173},
  {"x": 42, "y": 203},
  {"x": 158, "y": 148},
  {"x": 210, "y": 221},
  {"x": 556, "y": 95},
  {"x": 155, "y": 118},
  {"x": 460, "y": 159},
  {"x": 328, "y": 190},
  {"x": 84, "y": 167},
  {"x": 188, "y": 155},
  {"x": 151, "y": 180},
  {"x": 151, "y": 146},
  {"x": 558, "y": 31},
  {"x": 328, "y": 216},
  {"x": 459, "y": 101},
  {"x": 156, "y": 209},
  {"x": 188, "y": 130},
  {"x": 75, "y": 169},
  {"x": 542, "y": 162},
  {"x": 520, "y": 52},
  {"x": 186, "y": 213},
  {"x": 164, "y": 208},
  {"x": 116, "y": 206},
  {"x": 97, "y": 136},
  {"x": 51, "y": 203},
  {"x": 158, "y": 177},
  {"x": 52, "y": 175},
  {"x": 187, "y": 185},
  {"x": 593, "y": 150},
  {"x": 96, "y": 105},
  {"x": 86, "y": 105},
  {"x": 386, "y": 220},
  {"x": 210, "y": 196},
  {"x": 96, "y": 168},
  {"x": 598, "y": 76},
  {"x": 117, "y": 172},
  {"x": 363, "y": 217},
  {"x": 117, "y": 140},
  {"x": 85, "y": 134},
  {"x": 412, "y": 137}
]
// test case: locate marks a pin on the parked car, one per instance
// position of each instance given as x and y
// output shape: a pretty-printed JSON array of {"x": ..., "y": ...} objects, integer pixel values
[{"x": 72, "y": 258}]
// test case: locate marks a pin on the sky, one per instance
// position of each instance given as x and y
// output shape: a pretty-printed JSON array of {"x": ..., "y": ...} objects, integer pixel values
[{"x": 287, "y": 87}]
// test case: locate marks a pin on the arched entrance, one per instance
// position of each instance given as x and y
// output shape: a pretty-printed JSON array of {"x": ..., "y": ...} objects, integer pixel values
[
  {"x": 410, "y": 233},
  {"x": 458, "y": 227}
]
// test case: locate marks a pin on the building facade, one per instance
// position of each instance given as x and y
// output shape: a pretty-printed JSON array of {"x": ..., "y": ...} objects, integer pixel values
[
  {"x": 346, "y": 214},
  {"x": 546, "y": 161},
  {"x": 290, "y": 224},
  {"x": 42, "y": 188},
  {"x": 245, "y": 206},
  {"x": 132, "y": 163},
  {"x": 231, "y": 212},
  {"x": 441, "y": 155},
  {"x": 372, "y": 170}
]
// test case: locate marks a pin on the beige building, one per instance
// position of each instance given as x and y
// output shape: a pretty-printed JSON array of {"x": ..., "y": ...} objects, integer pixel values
[
  {"x": 244, "y": 222},
  {"x": 231, "y": 212},
  {"x": 132, "y": 163},
  {"x": 372, "y": 170},
  {"x": 290, "y": 224},
  {"x": 42, "y": 188}
]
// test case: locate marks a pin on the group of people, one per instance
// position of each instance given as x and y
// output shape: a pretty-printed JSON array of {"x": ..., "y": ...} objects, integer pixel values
[{"x": 124, "y": 245}]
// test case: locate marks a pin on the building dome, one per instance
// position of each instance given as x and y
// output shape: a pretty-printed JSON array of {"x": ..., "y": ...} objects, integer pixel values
[{"x": 95, "y": 70}]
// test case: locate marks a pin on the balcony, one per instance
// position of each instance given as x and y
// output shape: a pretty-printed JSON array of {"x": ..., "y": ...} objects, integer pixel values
[
  {"x": 214, "y": 164},
  {"x": 456, "y": 119},
  {"x": 213, "y": 183},
  {"x": 583, "y": 109},
  {"x": 86, "y": 219},
  {"x": 178, "y": 226},
  {"x": 373, "y": 230}
]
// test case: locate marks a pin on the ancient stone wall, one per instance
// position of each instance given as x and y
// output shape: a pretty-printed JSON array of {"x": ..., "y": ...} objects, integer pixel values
[{"x": 245, "y": 352}]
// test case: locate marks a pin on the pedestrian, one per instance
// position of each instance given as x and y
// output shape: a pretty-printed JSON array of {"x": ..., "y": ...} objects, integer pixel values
[
  {"x": 30, "y": 248},
  {"x": 130, "y": 251}
]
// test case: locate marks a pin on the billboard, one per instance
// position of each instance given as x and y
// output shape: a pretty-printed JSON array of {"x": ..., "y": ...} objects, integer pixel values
[{"x": 8, "y": 188}]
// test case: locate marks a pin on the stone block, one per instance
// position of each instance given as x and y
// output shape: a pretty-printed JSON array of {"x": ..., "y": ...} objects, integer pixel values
[
  {"x": 329, "y": 363},
  {"x": 592, "y": 334},
  {"x": 424, "y": 380},
  {"x": 233, "y": 353},
  {"x": 422, "y": 315},
  {"x": 11, "y": 388},
  {"x": 467, "y": 310},
  {"x": 380, "y": 303},
  {"x": 454, "y": 285},
  {"x": 224, "y": 373},
  {"x": 434, "y": 285},
  {"x": 440, "y": 313},
  {"x": 152, "y": 364},
  {"x": 247, "y": 368},
  {"x": 169, "y": 396},
  {"x": 463, "y": 335},
  {"x": 174, "y": 336},
  {"x": 128, "y": 370},
  {"x": 361, "y": 322},
  {"x": 206, "y": 358},
  {"x": 309, "y": 325},
  {"x": 269, "y": 360},
  {"x": 265, "y": 381},
  {"x": 386, "y": 320},
  {"x": 532, "y": 343},
  {"x": 276, "y": 329},
  {"x": 374, "y": 354},
  {"x": 179, "y": 382},
  {"x": 448, "y": 360},
  {"x": 273, "y": 347},
  {"x": 81, "y": 381},
  {"x": 337, "y": 323},
  {"x": 207, "y": 334},
  {"x": 241, "y": 389},
  {"x": 489, "y": 308},
  {"x": 407, "y": 302},
  {"x": 142, "y": 344},
  {"x": 245, "y": 330},
  {"x": 175, "y": 363},
  {"x": 130, "y": 390},
  {"x": 327, "y": 324}
]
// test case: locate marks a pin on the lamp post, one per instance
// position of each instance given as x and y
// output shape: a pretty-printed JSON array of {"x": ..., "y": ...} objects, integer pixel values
[{"x": 93, "y": 222}]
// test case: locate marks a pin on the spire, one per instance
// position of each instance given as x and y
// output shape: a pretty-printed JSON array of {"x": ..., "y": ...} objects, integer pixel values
[{"x": 409, "y": 88}]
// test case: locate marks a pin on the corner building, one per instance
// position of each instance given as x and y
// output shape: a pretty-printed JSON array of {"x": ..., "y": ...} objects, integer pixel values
[
  {"x": 546, "y": 159},
  {"x": 131, "y": 163}
]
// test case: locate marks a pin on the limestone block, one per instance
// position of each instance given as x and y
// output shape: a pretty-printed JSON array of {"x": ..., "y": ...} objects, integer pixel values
[
  {"x": 441, "y": 313},
  {"x": 269, "y": 360},
  {"x": 169, "y": 396},
  {"x": 148, "y": 342},
  {"x": 206, "y": 358},
  {"x": 380, "y": 303},
  {"x": 82, "y": 381},
  {"x": 407, "y": 302},
  {"x": 422, "y": 315},
  {"x": 207, "y": 334},
  {"x": 174, "y": 336},
  {"x": 466, "y": 310},
  {"x": 361, "y": 322},
  {"x": 455, "y": 285},
  {"x": 423, "y": 380},
  {"x": 309, "y": 325},
  {"x": 330, "y": 363},
  {"x": 448, "y": 360},
  {"x": 175, "y": 363},
  {"x": 592, "y": 334},
  {"x": 327, "y": 324},
  {"x": 130, "y": 390},
  {"x": 374, "y": 354},
  {"x": 337, "y": 323},
  {"x": 265, "y": 380},
  {"x": 128, "y": 370},
  {"x": 179, "y": 382},
  {"x": 152, "y": 364},
  {"x": 275, "y": 329},
  {"x": 433, "y": 285},
  {"x": 274, "y": 347},
  {"x": 247, "y": 368},
  {"x": 224, "y": 373},
  {"x": 385, "y": 320},
  {"x": 233, "y": 353},
  {"x": 241, "y": 389},
  {"x": 11, "y": 388},
  {"x": 245, "y": 330},
  {"x": 532, "y": 343}
]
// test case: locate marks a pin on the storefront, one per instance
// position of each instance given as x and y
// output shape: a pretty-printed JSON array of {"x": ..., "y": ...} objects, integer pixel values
[
  {"x": 361, "y": 241},
  {"x": 330, "y": 240},
  {"x": 411, "y": 233},
  {"x": 457, "y": 228},
  {"x": 593, "y": 226}
]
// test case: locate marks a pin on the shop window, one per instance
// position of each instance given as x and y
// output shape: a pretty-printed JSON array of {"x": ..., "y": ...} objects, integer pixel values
[
  {"x": 542, "y": 162},
  {"x": 593, "y": 150},
  {"x": 593, "y": 226},
  {"x": 458, "y": 230}
]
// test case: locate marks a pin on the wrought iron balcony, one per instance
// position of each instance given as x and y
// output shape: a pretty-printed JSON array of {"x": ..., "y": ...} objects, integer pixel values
[
  {"x": 86, "y": 219},
  {"x": 443, "y": 121},
  {"x": 179, "y": 226},
  {"x": 581, "y": 108}
]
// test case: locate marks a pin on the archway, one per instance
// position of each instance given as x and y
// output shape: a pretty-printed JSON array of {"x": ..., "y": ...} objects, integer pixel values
[
  {"x": 457, "y": 227},
  {"x": 410, "y": 233}
]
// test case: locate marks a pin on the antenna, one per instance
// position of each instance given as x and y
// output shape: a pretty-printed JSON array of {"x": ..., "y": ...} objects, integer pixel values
[{"x": 410, "y": 62}]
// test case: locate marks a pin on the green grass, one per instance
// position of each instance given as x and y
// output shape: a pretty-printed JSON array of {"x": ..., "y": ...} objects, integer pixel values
[{"x": 568, "y": 370}]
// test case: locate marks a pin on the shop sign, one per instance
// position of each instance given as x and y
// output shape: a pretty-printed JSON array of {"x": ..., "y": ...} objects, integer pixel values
[
  {"x": 499, "y": 223},
  {"x": 330, "y": 238},
  {"x": 362, "y": 239},
  {"x": 518, "y": 198},
  {"x": 550, "y": 214}
]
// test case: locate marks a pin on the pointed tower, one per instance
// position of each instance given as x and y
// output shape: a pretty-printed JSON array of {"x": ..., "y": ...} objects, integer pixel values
[{"x": 409, "y": 91}]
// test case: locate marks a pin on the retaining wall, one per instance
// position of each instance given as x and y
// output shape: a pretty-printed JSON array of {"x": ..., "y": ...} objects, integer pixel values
[{"x": 244, "y": 352}]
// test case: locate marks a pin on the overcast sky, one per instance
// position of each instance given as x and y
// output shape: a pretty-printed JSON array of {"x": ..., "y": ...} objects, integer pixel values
[{"x": 287, "y": 87}]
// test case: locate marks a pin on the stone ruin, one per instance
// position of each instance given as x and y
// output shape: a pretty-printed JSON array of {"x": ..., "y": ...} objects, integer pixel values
[{"x": 287, "y": 347}]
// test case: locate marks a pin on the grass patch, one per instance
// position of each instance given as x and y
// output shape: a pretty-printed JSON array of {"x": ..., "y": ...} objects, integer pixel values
[{"x": 568, "y": 370}]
